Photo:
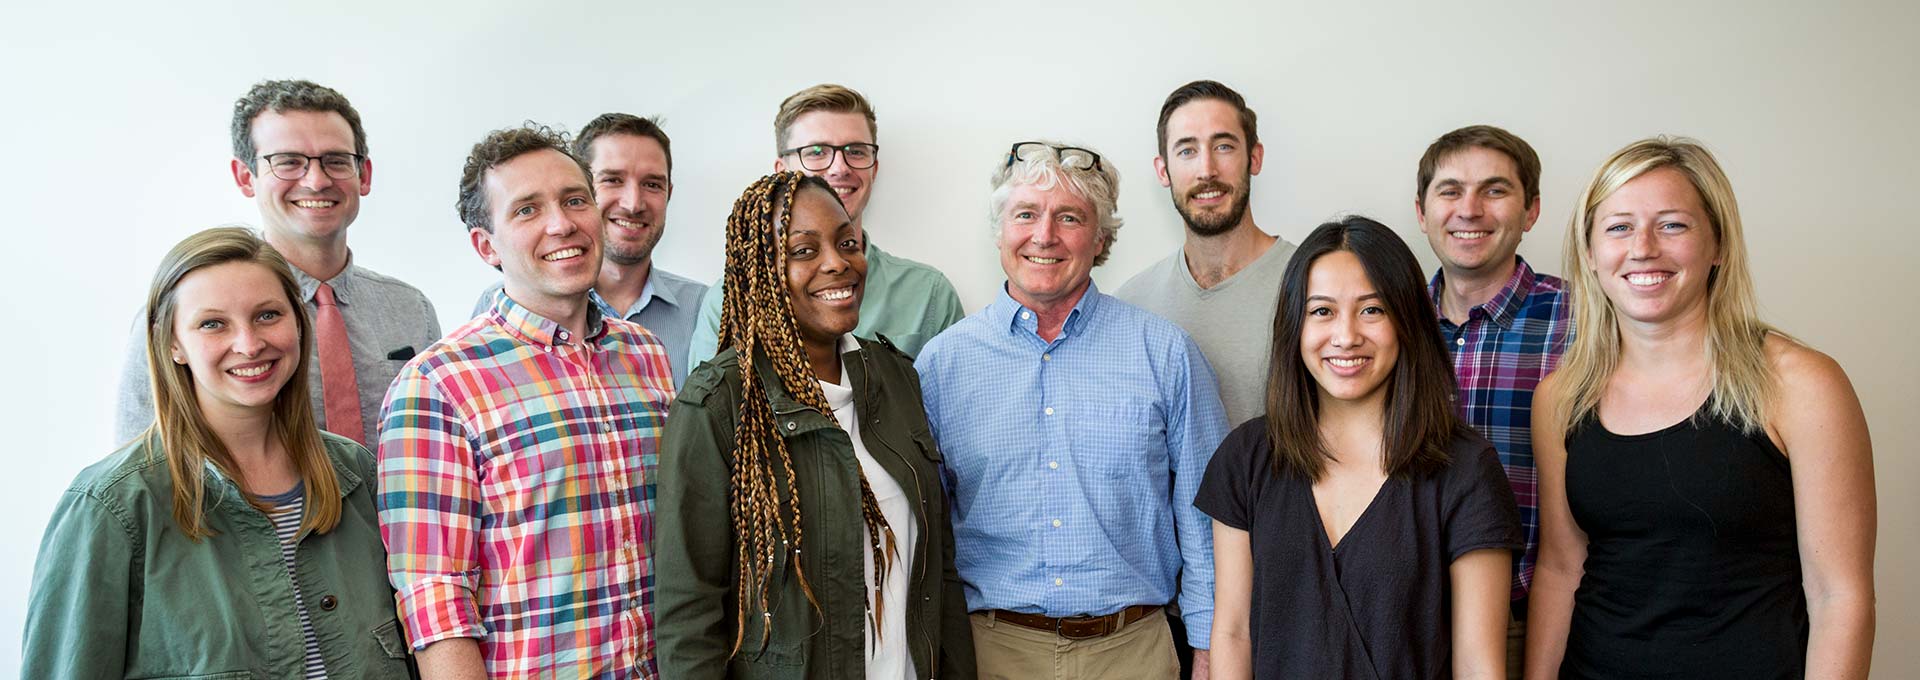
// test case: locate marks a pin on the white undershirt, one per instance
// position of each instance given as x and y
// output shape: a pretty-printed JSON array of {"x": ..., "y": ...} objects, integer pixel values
[{"x": 891, "y": 659}]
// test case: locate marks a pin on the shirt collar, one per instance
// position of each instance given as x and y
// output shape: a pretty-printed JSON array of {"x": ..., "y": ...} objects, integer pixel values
[
  {"x": 1006, "y": 312},
  {"x": 342, "y": 283},
  {"x": 1504, "y": 306},
  {"x": 540, "y": 330}
]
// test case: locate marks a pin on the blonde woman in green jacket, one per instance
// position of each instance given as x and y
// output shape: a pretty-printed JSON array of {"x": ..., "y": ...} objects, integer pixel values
[
  {"x": 232, "y": 539},
  {"x": 803, "y": 532}
]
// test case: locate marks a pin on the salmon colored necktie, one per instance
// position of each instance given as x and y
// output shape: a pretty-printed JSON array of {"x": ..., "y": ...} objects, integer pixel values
[{"x": 339, "y": 392}]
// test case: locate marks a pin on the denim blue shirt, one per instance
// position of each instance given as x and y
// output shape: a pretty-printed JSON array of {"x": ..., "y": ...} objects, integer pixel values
[{"x": 1073, "y": 463}]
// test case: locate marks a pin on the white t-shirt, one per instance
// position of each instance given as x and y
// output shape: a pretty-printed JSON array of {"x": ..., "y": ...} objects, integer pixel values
[{"x": 890, "y": 658}]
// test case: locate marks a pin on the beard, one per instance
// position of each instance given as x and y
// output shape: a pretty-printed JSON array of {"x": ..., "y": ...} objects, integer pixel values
[
  {"x": 1215, "y": 224},
  {"x": 612, "y": 250}
]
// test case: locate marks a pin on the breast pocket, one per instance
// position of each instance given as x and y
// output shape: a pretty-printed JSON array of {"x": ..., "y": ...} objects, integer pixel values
[{"x": 1123, "y": 440}]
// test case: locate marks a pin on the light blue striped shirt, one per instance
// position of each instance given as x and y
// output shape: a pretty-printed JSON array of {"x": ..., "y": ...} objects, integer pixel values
[{"x": 1073, "y": 464}]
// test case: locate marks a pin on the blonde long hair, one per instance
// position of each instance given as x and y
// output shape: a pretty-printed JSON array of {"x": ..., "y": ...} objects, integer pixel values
[
  {"x": 1743, "y": 380},
  {"x": 181, "y": 430}
]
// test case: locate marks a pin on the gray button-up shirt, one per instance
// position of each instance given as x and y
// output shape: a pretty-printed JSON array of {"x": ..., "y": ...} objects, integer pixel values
[
  {"x": 388, "y": 322},
  {"x": 667, "y": 307}
]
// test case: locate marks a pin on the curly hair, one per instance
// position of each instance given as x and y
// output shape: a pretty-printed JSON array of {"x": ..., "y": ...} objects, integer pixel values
[
  {"x": 282, "y": 96},
  {"x": 499, "y": 147}
]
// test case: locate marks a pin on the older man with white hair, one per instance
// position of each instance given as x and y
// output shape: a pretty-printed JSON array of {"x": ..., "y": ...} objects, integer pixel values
[{"x": 1075, "y": 429}]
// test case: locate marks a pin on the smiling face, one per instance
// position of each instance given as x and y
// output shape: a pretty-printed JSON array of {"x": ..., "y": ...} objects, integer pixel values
[
  {"x": 631, "y": 185},
  {"x": 234, "y": 329},
  {"x": 1475, "y": 210},
  {"x": 834, "y": 128},
  {"x": 314, "y": 208},
  {"x": 546, "y": 230},
  {"x": 826, "y": 268},
  {"x": 1208, "y": 166},
  {"x": 1049, "y": 239},
  {"x": 1347, "y": 340},
  {"x": 1652, "y": 246}
]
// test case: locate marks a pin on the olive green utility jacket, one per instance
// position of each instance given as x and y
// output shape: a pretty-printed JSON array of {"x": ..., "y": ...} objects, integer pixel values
[
  {"x": 695, "y": 554},
  {"x": 120, "y": 592}
]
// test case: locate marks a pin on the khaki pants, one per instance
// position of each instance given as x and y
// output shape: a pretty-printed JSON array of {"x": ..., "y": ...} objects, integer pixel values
[
  {"x": 1143, "y": 650},
  {"x": 1516, "y": 647}
]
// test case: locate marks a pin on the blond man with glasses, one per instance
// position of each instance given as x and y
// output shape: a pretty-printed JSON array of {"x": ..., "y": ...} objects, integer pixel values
[{"x": 830, "y": 131}]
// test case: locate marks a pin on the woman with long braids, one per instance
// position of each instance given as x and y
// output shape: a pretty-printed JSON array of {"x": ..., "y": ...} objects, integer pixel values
[{"x": 802, "y": 528}]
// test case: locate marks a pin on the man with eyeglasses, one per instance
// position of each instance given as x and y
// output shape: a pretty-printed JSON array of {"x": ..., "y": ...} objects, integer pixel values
[
  {"x": 1074, "y": 428},
  {"x": 829, "y": 130},
  {"x": 300, "y": 153}
]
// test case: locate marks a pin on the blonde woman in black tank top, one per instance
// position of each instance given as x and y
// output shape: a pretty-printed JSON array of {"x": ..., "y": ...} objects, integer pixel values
[{"x": 1706, "y": 482}]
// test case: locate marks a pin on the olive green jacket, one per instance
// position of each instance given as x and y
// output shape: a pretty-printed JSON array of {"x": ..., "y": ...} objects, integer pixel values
[
  {"x": 694, "y": 550},
  {"x": 120, "y": 592}
]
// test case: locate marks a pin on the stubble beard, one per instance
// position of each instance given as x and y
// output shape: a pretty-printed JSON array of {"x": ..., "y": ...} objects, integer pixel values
[{"x": 1204, "y": 225}]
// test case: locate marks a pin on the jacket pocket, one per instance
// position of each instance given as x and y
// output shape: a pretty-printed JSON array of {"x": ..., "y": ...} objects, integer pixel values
[{"x": 390, "y": 640}]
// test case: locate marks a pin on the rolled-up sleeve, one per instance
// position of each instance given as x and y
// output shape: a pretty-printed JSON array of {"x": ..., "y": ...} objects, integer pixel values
[{"x": 430, "y": 508}]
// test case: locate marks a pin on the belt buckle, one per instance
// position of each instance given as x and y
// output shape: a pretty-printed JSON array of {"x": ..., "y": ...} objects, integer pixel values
[{"x": 1060, "y": 624}]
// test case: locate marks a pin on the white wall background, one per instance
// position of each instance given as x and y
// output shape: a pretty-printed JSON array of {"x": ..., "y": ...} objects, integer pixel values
[{"x": 116, "y": 147}]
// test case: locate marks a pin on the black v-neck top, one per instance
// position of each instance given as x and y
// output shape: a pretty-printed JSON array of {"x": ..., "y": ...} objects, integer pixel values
[{"x": 1378, "y": 606}]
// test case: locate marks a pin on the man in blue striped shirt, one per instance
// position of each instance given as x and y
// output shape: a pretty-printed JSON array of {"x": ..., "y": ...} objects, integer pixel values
[{"x": 1075, "y": 429}]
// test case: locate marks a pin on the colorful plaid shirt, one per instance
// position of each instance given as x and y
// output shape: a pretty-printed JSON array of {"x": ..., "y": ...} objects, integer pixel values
[
  {"x": 516, "y": 493},
  {"x": 1499, "y": 355}
]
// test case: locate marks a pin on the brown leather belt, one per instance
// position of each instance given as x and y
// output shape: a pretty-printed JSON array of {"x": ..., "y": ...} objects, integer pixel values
[{"x": 1078, "y": 627}]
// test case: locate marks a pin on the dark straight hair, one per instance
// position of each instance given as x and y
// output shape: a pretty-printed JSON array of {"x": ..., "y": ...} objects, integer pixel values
[{"x": 1420, "y": 418}]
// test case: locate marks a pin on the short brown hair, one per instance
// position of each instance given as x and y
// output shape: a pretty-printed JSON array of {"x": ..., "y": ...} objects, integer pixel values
[
  {"x": 823, "y": 97},
  {"x": 623, "y": 124},
  {"x": 1207, "y": 89},
  {"x": 288, "y": 95},
  {"x": 499, "y": 147},
  {"x": 1486, "y": 137}
]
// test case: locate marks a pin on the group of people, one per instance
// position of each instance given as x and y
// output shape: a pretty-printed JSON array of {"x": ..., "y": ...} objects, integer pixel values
[{"x": 1255, "y": 459}]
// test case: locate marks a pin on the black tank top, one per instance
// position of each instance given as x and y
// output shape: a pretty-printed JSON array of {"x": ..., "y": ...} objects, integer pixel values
[{"x": 1693, "y": 568}]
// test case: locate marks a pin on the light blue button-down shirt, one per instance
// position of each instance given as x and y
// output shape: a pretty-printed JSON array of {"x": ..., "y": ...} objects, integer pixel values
[{"x": 1073, "y": 463}]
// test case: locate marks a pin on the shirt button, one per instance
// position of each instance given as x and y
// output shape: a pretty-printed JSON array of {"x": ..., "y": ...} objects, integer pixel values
[
  {"x": 1059, "y": 582},
  {"x": 1046, "y": 357},
  {"x": 1056, "y": 523},
  {"x": 1053, "y": 465},
  {"x": 1461, "y": 342},
  {"x": 1025, "y": 315},
  {"x": 328, "y": 602},
  {"x": 1049, "y": 410}
]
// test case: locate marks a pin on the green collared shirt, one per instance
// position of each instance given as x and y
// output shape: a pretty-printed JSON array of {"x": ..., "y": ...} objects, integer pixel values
[
  {"x": 119, "y": 592},
  {"x": 906, "y": 301}
]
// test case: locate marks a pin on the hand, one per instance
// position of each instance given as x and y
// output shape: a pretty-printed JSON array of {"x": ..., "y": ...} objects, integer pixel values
[{"x": 1202, "y": 667}]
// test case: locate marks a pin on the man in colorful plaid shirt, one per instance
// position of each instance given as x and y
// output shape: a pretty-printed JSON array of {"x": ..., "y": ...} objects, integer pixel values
[
  {"x": 517, "y": 453},
  {"x": 1479, "y": 191}
]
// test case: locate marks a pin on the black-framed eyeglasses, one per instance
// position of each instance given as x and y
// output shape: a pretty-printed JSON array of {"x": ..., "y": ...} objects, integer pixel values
[
  {"x": 819, "y": 157},
  {"x": 292, "y": 166},
  {"x": 1070, "y": 156}
]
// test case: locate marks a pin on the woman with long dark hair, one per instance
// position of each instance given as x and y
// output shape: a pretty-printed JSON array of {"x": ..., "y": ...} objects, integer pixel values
[
  {"x": 233, "y": 538},
  {"x": 1706, "y": 481},
  {"x": 802, "y": 528},
  {"x": 1361, "y": 530}
]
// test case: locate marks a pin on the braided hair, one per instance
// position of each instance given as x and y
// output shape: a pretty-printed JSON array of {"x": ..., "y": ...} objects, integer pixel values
[{"x": 757, "y": 321}]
